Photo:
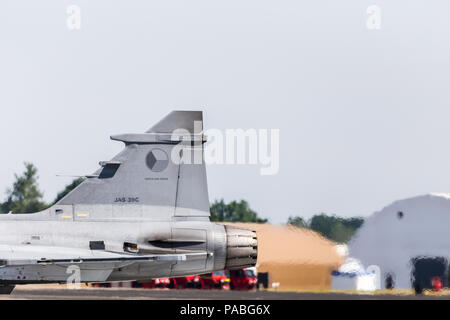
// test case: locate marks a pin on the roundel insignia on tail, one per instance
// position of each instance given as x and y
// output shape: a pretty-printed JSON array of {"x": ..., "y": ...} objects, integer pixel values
[{"x": 157, "y": 160}]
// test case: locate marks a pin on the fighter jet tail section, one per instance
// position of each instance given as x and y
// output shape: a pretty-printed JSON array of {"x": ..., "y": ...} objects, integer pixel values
[
  {"x": 159, "y": 174},
  {"x": 143, "y": 215}
]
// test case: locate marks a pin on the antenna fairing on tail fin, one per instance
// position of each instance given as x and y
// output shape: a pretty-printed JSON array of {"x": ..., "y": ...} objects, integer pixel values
[{"x": 179, "y": 120}]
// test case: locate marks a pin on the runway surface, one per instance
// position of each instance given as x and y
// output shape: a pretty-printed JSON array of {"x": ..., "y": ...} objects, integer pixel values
[{"x": 36, "y": 293}]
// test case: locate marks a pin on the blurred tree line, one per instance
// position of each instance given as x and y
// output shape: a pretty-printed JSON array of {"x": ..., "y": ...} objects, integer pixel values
[
  {"x": 234, "y": 212},
  {"x": 335, "y": 228},
  {"x": 26, "y": 197}
]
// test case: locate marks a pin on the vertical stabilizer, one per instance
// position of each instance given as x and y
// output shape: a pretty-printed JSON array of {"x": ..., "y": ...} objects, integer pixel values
[{"x": 145, "y": 174}]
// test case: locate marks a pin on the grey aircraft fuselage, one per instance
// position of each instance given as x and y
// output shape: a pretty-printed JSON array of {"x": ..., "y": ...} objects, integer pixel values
[{"x": 140, "y": 216}]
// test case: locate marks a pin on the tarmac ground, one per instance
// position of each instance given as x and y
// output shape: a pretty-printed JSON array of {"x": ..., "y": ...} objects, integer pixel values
[{"x": 63, "y": 293}]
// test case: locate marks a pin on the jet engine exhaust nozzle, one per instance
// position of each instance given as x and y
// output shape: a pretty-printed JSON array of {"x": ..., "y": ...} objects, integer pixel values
[{"x": 242, "y": 248}]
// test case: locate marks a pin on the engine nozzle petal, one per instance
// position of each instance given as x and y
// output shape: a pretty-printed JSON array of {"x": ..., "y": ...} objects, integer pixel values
[{"x": 242, "y": 248}]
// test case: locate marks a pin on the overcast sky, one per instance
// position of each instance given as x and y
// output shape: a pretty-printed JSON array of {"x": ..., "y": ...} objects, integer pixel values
[{"x": 363, "y": 114}]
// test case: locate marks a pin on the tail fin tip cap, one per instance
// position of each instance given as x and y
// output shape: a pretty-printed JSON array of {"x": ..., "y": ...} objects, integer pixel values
[{"x": 192, "y": 121}]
